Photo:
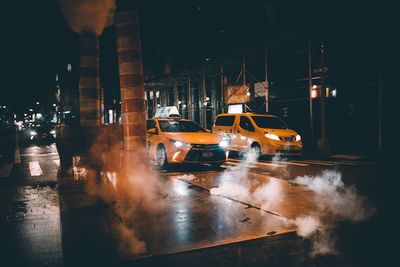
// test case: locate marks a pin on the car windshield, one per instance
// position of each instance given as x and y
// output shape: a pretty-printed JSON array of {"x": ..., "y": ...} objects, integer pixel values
[
  {"x": 173, "y": 126},
  {"x": 269, "y": 122}
]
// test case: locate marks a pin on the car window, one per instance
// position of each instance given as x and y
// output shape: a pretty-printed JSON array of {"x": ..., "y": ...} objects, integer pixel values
[
  {"x": 225, "y": 120},
  {"x": 179, "y": 126},
  {"x": 246, "y": 124},
  {"x": 269, "y": 122},
  {"x": 151, "y": 124}
]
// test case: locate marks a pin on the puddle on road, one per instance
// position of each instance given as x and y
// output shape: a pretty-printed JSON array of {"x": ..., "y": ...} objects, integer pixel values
[{"x": 18, "y": 211}]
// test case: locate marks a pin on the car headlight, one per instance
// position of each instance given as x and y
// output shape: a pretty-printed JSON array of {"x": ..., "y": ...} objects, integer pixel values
[
  {"x": 33, "y": 133},
  {"x": 224, "y": 144},
  {"x": 179, "y": 144},
  {"x": 298, "y": 137},
  {"x": 53, "y": 131},
  {"x": 271, "y": 136}
]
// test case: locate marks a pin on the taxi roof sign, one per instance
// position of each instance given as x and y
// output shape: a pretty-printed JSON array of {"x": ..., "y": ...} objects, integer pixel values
[{"x": 167, "y": 112}]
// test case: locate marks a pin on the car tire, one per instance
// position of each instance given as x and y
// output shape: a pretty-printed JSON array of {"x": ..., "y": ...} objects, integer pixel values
[
  {"x": 161, "y": 157},
  {"x": 216, "y": 166},
  {"x": 256, "y": 148}
]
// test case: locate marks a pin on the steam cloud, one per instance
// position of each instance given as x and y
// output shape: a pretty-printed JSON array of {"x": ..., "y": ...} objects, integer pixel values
[
  {"x": 88, "y": 15},
  {"x": 131, "y": 187},
  {"x": 334, "y": 201},
  {"x": 237, "y": 185},
  {"x": 334, "y": 198}
]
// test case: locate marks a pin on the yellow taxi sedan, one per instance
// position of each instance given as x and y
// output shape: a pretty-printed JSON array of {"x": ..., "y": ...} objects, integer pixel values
[{"x": 176, "y": 140}]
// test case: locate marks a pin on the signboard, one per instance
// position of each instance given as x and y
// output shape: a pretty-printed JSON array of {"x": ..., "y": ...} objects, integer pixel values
[
  {"x": 237, "y": 94},
  {"x": 165, "y": 112},
  {"x": 235, "y": 109},
  {"x": 261, "y": 89}
]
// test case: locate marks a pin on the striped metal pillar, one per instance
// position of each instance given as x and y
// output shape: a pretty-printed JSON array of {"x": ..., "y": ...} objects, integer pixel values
[
  {"x": 89, "y": 86},
  {"x": 131, "y": 81}
]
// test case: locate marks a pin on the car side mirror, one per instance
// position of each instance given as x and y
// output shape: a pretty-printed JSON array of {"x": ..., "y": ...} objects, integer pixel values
[{"x": 152, "y": 131}]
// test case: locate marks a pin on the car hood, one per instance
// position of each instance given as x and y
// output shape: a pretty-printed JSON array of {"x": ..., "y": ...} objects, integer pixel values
[
  {"x": 194, "y": 138},
  {"x": 281, "y": 132}
]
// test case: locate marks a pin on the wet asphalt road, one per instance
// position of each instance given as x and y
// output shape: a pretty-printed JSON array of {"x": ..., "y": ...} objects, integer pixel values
[{"x": 40, "y": 227}]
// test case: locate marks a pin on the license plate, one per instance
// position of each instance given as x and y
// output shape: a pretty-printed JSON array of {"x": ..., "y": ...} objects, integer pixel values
[{"x": 208, "y": 154}]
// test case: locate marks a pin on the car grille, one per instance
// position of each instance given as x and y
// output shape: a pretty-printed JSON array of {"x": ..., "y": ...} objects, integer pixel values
[
  {"x": 288, "y": 139},
  {"x": 197, "y": 154},
  {"x": 206, "y": 146}
]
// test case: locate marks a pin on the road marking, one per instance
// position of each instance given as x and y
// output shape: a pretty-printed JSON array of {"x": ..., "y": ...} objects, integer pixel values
[
  {"x": 17, "y": 155},
  {"x": 56, "y": 161},
  {"x": 332, "y": 163},
  {"x": 5, "y": 170},
  {"x": 360, "y": 162},
  {"x": 39, "y": 155},
  {"x": 273, "y": 164},
  {"x": 35, "y": 169},
  {"x": 294, "y": 163},
  {"x": 316, "y": 162},
  {"x": 346, "y": 156},
  {"x": 232, "y": 163}
]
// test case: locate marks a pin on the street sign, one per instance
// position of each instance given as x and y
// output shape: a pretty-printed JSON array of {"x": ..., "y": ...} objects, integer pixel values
[{"x": 261, "y": 89}]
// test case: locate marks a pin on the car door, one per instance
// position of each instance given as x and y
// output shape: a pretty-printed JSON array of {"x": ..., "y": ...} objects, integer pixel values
[
  {"x": 151, "y": 138},
  {"x": 245, "y": 133},
  {"x": 223, "y": 126}
]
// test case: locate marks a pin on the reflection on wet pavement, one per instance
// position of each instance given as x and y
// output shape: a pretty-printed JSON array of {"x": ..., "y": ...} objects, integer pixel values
[{"x": 31, "y": 229}]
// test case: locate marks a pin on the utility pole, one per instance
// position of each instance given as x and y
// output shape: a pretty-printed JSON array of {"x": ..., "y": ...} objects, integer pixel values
[
  {"x": 244, "y": 75},
  {"x": 244, "y": 70},
  {"x": 222, "y": 90},
  {"x": 380, "y": 96},
  {"x": 310, "y": 92},
  {"x": 266, "y": 81},
  {"x": 189, "y": 102},
  {"x": 204, "y": 102},
  {"x": 323, "y": 143}
]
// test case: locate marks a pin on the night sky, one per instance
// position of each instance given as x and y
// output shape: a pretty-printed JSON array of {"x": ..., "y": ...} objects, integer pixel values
[{"x": 37, "y": 42}]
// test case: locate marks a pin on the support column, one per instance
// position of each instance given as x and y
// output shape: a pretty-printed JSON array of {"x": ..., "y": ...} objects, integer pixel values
[
  {"x": 189, "y": 100},
  {"x": 222, "y": 109},
  {"x": 89, "y": 86},
  {"x": 213, "y": 99},
  {"x": 131, "y": 81},
  {"x": 202, "y": 102}
]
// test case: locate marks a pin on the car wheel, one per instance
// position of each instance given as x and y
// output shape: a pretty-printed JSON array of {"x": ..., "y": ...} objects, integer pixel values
[
  {"x": 161, "y": 156},
  {"x": 256, "y": 150},
  {"x": 216, "y": 166}
]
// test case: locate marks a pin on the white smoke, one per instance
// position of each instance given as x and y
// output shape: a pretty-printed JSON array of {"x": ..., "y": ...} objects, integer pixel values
[
  {"x": 129, "y": 242},
  {"x": 306, "y": 226},
  {"x": 233, "y": 190},
  {"x": 268, "y": 195},
  {"x": 323, "y": 244},
  {"x": 186, "y": 177},
  {"x": 129, "y": 185},
  {"x": 88, "y": 15},
  {"x": 332, "y": 198},
  {"x": 236, "y": 184}
]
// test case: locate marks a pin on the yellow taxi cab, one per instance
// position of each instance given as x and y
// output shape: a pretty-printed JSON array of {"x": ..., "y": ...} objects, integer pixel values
[
  {"x": 176, "y": 140},
  {"x": 264, "y": 134}
]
